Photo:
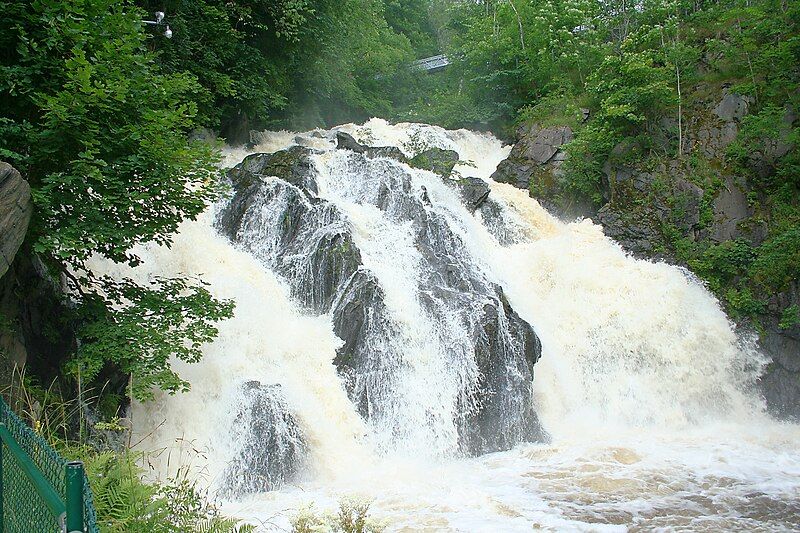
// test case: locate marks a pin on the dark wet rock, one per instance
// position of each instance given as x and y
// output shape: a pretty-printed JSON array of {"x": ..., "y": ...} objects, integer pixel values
[
  {"x": 271, "y": 444},
  {"x": 293, "y": 165},
  {"x": 362, "y": 321},
  {"x": 535, "y": 162},
  {"x": 15, "y": 213},
  {"x": 780, "y": 383},
  {"x": 502, "y": 228},
  {"x": 634, "y": 233},
  {"x": 389, "y": 152},
  {"x": 436, "y": 160},
  {"x": 499, "y": 419},
  {"x": 345, "y": 141},
  {"x": 516, "y": 171},
  {"x": 309, "y": 242},
  {"x": 502, "y": 344},
  {"x": 498, "y": 413},
  {"x": 426, "y": 199},
  {"x": 473, "y": 191},
  {"x": 313, "y": 248}
]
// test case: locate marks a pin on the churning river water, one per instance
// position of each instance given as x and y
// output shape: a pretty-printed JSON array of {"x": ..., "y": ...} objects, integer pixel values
[{"x": 644, "y": 389}]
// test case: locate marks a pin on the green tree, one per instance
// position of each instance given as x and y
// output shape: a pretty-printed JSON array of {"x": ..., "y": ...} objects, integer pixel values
[{"x": 101, "y": 134}]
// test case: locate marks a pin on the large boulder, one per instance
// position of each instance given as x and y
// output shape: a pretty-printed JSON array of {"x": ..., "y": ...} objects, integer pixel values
[
  {"x": 293, "y": 165},
  {"x": 15, "y": 213},
  {"x": 780, "y": 383},
  {"x": 732, "y": 106},
  {"x": 271, "y": 445},
  {"x": 537, "y": 153},
  {"x": 437, "y": 160},
  {"x": 472, "y": 191},
  {"x": 534, "y": 164},
  {"x": 345, "y": 141},
  {"x": 499, "y": 420}
]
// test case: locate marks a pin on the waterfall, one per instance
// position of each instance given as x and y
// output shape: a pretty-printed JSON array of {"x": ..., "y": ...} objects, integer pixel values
[{"x": 388, "y": 334}]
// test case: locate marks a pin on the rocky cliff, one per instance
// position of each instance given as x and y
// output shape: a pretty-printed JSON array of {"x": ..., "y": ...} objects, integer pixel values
[
  {"x": 34, "y": 328},
  {"x": 15, "y": 213},
  {"x": 657, "y": 204}
]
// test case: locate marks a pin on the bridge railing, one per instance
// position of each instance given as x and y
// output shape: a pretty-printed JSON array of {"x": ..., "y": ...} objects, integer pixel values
[
  {"x": 40, "y": 491},
  {"x": 432, "y": 63}
]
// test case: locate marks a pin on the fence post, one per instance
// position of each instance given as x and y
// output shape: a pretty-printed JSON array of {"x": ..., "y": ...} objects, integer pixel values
[
  {"x": 75, "y": 475},
  {"x": 2, "y": 491}
]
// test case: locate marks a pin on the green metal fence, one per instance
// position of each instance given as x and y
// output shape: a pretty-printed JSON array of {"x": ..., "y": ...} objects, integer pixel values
[{"x": 39, "y": 490}]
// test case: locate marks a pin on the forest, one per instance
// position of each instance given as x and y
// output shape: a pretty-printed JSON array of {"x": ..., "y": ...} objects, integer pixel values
[{"x": 117, "y": 129}]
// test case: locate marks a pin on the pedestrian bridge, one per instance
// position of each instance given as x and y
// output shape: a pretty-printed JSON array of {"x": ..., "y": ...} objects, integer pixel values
[{"x": 432, "y": 64}]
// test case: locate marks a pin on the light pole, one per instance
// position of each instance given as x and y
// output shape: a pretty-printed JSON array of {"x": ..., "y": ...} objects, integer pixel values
[{"x": 158, "y": 22}]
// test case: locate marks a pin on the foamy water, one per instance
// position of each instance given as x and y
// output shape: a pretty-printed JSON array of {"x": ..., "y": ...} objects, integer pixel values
[{"x": 643, "y": 385}]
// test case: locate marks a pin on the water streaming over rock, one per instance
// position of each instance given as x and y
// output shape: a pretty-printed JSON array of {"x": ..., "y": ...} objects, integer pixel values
[{"x": 390, "y": 325}]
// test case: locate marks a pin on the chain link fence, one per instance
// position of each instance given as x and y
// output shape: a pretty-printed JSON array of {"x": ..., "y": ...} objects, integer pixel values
[{"x": 34, "y": 491}]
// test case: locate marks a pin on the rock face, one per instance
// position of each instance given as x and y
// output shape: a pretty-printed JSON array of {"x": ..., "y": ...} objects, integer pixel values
[
  {"x": 34, "y": 332},
  {"x": 680, "y": 193},
  {"x": 30, "y": 302},
  {"x": 272, "y": 447},
  {"x": 15, "y": 213},
  {"x": 535, "y": 161},
  {"x": 648, "y": 203},
  {"x": 277, "y": 215},
  {"x": 493, "y": 429},
  {"x": 780, "y": 383}
]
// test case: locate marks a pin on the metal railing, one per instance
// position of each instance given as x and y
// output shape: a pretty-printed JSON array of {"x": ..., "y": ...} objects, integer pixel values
[
  {"x": 432, "y": 64},
  {"x": 39, "y": 490}
]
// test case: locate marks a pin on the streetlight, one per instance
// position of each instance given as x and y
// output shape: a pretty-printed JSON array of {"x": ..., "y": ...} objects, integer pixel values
[{"x": 158, "y": 22}]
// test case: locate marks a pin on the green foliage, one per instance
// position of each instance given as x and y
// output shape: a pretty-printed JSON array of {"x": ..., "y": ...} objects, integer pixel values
[
  {"x": 123, "y": 500},
  {"x": 143, "y": 328},
  {"x": 778, "y": 262},
  {"x": 293, "y": 62},
  {"x": 645, "y": 72},
  {"x": 554, "y": 110},
  {"x": 790, "y": 317},
  {"x": 126, "y": 503},
  {"x": 587, "y": 154},
  {"x": 352, "y": 517},
  {"x": 7, "y": 325},
  {"x": 631, "y": 89},
  {"x": 412, "y": 19},
  {"x": 100, "y": 132}
]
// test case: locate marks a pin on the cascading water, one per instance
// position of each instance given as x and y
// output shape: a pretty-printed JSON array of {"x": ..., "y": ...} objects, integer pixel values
[{"x": 386, "y": 331}]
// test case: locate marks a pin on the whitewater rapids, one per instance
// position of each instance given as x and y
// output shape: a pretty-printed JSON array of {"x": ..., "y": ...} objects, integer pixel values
[{"x": 644, "y": 387}]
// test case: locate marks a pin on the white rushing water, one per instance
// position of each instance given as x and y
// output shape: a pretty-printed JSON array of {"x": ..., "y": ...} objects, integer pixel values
[{"x": 643, "y": 385}]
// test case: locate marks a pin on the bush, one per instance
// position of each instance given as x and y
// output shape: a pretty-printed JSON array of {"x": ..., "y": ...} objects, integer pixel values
[{"x": 352, "y": 517}]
